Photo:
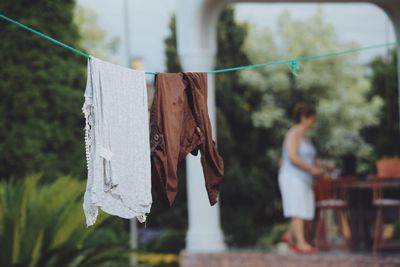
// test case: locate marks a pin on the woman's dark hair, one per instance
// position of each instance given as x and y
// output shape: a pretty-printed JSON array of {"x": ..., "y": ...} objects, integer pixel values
[{"x": 302, "y": 109}]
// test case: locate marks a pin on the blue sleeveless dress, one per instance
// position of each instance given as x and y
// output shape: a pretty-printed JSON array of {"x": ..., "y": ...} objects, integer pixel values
[{"x": 296, "y": 184}]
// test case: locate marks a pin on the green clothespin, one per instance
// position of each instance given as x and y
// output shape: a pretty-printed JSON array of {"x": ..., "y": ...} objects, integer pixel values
[{"x": 294, "y": 67}]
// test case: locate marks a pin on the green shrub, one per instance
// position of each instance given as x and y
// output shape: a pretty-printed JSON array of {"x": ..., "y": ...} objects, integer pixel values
[
  {"x": 172, "y": 241},
  {"x": 41, "y": 89},
  {"x": 272, "y": 236},
  {"x": 43, "y": 225}
]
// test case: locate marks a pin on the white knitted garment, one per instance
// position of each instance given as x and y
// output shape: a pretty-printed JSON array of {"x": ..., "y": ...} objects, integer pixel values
[{"x": 117, "y": 142}]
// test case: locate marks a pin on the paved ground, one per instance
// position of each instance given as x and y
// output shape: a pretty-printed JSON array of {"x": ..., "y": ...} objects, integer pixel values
[{"x": 270, "y": 259}]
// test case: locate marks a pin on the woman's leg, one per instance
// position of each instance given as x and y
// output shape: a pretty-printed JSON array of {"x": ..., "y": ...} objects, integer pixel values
[
  {"x": 297, "y": 232},
  {"x": 288, "y": 235}
]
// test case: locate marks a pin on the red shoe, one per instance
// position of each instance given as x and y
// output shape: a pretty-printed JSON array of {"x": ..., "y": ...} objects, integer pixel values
[
  {"x": 311, "y": 250},
  {"x": 285, "y": 238}
]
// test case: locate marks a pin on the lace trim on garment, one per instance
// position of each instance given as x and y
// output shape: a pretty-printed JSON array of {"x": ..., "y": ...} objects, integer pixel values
[{"x": 88, "y": 112}]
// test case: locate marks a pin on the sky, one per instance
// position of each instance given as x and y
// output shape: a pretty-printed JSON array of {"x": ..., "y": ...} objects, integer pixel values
[{"x": 148, "y": 24}]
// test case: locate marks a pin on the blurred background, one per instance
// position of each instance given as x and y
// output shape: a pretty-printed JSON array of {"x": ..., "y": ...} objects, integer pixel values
[{"x": 42, "y": 161}]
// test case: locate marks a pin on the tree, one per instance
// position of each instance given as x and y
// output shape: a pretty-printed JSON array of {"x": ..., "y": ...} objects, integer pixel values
[
  {"x": 171, "y": 51},
  {"x": 41, "y": 126},
  {"x": 385, "y": 137},
  {"x": 248, "y": 199}
]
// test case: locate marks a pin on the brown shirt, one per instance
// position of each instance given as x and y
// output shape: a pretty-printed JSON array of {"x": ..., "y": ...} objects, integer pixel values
[{"x": 180, "y": 125}]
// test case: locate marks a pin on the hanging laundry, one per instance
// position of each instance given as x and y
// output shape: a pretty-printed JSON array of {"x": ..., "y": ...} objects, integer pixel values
[
  {"x": 117, "y": 142},
  {"x": 180, "y": 125}
]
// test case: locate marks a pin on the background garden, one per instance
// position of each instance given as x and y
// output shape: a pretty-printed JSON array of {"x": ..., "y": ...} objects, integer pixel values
[{"x": 42, "y": 161}]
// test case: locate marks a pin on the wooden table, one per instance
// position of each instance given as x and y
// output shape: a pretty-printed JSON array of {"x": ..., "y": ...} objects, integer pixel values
[{"x": 362, "y": 212}]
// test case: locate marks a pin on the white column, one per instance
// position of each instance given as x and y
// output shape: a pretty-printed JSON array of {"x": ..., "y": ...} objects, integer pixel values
[{"x": 196, "y": 38}]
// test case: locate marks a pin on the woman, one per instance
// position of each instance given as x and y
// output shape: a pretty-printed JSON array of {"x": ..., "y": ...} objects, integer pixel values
[{"x": 296, "y": 177}]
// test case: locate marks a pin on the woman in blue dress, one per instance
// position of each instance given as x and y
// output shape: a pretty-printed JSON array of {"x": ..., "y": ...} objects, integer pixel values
[{"x": 298, "y": 169}]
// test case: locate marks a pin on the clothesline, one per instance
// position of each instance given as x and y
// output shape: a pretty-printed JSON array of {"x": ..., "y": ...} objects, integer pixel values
[{"x": 293, "y": 61}]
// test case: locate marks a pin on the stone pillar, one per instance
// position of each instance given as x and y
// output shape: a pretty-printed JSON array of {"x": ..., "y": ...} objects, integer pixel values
[{"x": 196, "y": 28}]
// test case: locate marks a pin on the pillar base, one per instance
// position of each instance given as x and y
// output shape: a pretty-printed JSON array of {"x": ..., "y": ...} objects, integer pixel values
[{"x": 199, "y": 241}]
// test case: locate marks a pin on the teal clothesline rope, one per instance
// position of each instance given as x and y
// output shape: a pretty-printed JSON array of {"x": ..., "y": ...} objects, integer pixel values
[{"x": 293, "y": 61}]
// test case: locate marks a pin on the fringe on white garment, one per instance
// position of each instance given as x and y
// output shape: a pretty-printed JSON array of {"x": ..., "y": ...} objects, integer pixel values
[{"x": 117, "y": 142}]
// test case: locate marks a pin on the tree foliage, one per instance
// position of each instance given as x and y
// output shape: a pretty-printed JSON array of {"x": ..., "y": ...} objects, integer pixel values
[
  {"x": 41, "y": 126},
  {"x": 248, "y": 197},
  {"x": 385, "y": 137}
]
